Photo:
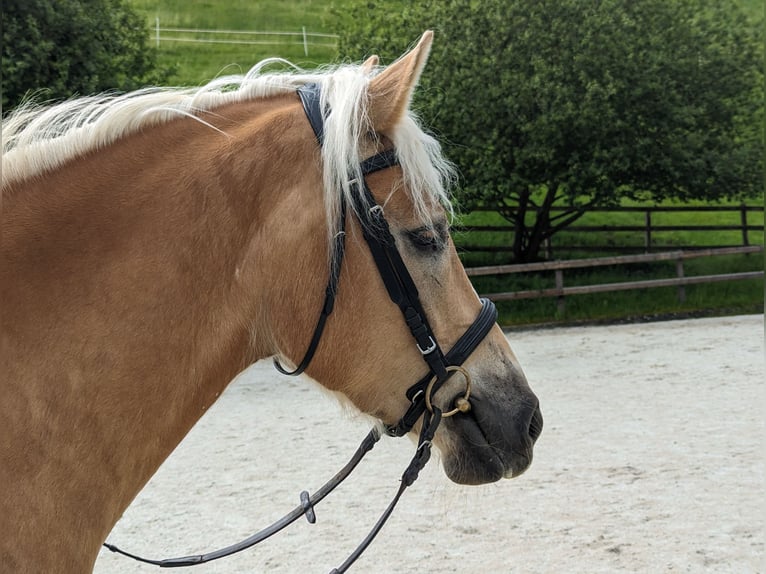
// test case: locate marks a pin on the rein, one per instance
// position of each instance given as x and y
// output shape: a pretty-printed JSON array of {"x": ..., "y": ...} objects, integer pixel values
[{"x": 403, "y": 292}]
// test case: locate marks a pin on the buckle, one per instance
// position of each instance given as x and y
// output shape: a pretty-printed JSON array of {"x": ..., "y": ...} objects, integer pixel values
[{"x": 431, "y": 346}]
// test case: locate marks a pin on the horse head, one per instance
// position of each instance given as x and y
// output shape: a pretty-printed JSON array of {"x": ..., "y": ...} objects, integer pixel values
[{"x": 368, "y": 353}]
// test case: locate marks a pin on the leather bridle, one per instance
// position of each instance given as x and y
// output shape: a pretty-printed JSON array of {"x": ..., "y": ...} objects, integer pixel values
[
  {"x": 397, "y": 280},
  {"x": 403, "y": 292}
]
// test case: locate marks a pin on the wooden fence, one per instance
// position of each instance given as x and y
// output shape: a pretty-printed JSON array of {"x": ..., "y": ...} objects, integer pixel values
[
  {"x": 647, "y": 229},
  {"x": 558, "y": 267}
]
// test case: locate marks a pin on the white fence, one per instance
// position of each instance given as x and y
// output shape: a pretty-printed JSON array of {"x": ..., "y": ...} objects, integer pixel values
[{"x": 201, "y": 36}]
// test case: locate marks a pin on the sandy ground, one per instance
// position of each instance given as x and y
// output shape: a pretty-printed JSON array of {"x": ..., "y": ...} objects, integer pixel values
[{"x": 652, "y": 460}]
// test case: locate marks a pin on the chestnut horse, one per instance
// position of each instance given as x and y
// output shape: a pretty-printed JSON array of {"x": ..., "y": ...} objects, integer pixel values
[{"x": 156, "y": 243}]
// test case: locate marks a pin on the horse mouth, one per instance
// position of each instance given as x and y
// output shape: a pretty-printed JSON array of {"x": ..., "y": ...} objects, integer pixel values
[{"x": 489, "y": 443}]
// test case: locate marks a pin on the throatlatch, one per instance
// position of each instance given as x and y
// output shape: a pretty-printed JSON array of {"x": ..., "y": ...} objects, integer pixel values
[{"x": 403, "y": 292}]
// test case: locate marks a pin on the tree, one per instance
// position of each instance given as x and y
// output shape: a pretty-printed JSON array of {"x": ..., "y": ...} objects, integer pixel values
[
  {"x": 65, "y": 47},
  {"x": 581, "y": 103}
]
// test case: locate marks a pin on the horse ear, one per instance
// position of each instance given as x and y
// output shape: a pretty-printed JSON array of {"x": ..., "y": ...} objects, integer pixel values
[
  {"x": 391, "y": 90},
  {"x": 369, "y": 64}
]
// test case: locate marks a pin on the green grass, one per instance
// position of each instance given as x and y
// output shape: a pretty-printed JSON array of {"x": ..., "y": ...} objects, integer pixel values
[
  {"x": 197, "y": 63},
  {"x": 732, "y": 297},
  {"x": 716, "y": 298},
  {"x": 598, "y": 243}
]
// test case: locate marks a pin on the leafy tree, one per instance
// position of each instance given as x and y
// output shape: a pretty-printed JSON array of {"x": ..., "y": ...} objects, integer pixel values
[
  {"x": 66, "y": 47},
  {"x": 581, "y": 103}
]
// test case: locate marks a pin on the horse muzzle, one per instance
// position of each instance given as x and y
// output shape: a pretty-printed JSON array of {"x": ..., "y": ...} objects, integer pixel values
[{"x": 493, "y": 440}]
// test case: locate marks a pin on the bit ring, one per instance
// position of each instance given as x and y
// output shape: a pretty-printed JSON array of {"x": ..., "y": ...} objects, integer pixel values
[{"x": 462, "y": 404}]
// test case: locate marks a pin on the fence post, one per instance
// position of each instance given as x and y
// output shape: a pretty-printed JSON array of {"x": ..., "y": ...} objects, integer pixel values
[
  {"x": 157, "y": 31},
  {"x": 648, "y": 232},
  {"x": 680, "y": 274},
  {"x": 743, "y": 219},
  {"x": 560, "y": 304},
  {"x": 305, "y": 43}
]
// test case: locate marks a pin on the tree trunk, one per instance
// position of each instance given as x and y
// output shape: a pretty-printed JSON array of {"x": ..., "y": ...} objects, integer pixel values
[
  {"x": 528, "y": 240},
  {"x": 518, "y": 218}
]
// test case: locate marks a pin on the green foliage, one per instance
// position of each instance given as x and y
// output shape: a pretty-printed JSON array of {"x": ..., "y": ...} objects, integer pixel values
[
  {"x": 582, "y": 102},
  {"x": 65, "y": 47}
]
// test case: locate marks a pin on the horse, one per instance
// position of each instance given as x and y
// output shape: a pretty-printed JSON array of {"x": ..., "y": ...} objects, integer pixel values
[{"x": 155, "y": 243}]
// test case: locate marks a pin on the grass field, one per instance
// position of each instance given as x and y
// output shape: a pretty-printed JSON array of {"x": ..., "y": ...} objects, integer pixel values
[
  {"x": 563, "y": 242},
  {"x": 734, "y": 297},
  {"x": 194, "y": 64},
  {"x": 715, "y": 298}
]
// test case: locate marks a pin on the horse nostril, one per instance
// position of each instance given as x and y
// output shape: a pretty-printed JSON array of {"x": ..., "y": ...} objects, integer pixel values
[{"x": 536, "y": 424}]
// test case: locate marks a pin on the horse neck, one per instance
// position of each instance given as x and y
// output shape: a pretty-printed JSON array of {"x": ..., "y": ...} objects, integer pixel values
[{"x": 133, "y": 295}]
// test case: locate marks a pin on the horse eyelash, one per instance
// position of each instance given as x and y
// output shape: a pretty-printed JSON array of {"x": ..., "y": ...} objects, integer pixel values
[{"x": 428, "y": 240}]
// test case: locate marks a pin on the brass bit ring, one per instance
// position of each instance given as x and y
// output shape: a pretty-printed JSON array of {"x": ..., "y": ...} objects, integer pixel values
[{"x": 462, "y": 404}]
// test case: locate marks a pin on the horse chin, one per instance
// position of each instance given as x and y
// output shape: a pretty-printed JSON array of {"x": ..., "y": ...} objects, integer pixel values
[{"x": 485, "y": 445}]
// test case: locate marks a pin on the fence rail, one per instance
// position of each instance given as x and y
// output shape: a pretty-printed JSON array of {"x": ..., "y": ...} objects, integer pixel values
[
  {"x": 558, "y": 267},
  {"x": 245, "y": 37},
  {"x": 647, "y": 229}
]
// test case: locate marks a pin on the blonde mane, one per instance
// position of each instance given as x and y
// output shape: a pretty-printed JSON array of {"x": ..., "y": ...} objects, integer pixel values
[{"x": 37, "y": 139}]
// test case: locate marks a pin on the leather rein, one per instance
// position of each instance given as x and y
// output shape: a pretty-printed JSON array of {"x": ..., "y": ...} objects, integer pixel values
[{"x": 403, "y": 292}]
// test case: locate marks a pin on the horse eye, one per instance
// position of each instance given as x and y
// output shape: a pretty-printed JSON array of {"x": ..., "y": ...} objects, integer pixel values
[{"x": 426, "y": 240}]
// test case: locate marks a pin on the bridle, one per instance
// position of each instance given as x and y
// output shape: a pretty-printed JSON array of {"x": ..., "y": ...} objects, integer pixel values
[
  {"x": 403, "y": 292},
  {"x": 397, "y": 280}
]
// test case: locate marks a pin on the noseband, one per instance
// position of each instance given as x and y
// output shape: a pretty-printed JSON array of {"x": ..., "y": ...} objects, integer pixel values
[{"x": 403, "y": 292}]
